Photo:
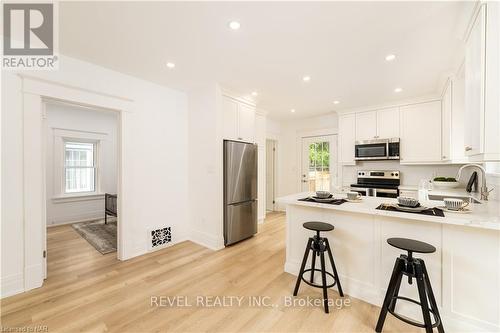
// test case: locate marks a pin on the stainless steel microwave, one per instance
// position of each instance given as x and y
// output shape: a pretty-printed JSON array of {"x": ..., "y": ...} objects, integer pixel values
[{"x": 379, "y": 149}]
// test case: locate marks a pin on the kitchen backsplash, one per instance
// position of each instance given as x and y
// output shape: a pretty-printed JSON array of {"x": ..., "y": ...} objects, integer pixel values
[{"x": 410, "y": 174}]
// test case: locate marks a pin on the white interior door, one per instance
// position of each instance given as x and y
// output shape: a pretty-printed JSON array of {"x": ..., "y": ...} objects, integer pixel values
[{"x": 319, "y": 163}]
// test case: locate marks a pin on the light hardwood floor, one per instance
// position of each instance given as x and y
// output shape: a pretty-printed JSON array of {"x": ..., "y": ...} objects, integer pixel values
[{"x": 87, "y": 291}]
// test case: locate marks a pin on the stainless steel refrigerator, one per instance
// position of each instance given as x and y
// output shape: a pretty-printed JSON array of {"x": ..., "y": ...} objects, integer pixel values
[{"x": 240, "y": 191}]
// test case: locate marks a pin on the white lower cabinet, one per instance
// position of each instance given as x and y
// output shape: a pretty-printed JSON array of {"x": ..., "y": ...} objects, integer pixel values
[
  {"x": 238, "y": 120},
  {"x": 420, "y": 126}
]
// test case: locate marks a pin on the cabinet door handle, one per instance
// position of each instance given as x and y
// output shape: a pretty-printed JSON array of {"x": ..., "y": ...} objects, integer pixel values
[
  {"x": 468, "y": 148},
  {"x": 240, "y": 138},
  {"x": 444, "y": 157}
]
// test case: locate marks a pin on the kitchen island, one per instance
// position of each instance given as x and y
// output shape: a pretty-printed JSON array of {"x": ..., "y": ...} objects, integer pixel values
[{"x": 464, "y": 270}]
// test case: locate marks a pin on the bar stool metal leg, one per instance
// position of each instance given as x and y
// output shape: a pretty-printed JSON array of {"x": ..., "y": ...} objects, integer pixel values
[
  {"x": 432, "y": 299},
  {"x": 392, "y": 305},
  {"x": 423, "y": 297},
  {"x": 397, "y": 273},
  {"x": 304, "y": 260},
  {"x": 323, "y": 279},
  {"x": 313, "y": 264},
  {"x": 337, "y": 278}
]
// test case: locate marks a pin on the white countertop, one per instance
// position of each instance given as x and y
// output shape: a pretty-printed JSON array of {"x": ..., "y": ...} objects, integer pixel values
[{"x": 485, "y": 215}]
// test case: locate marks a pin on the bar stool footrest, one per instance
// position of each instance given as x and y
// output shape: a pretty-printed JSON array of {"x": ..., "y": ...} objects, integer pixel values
[
  {"x": 318, "y": 285},
  {"x": 410, "y": 321}
]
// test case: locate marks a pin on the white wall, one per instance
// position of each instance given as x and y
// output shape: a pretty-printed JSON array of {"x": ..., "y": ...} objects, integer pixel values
[
  {"x": 205, "y": 166},
  {"x": 70, "y": 117},
  {"x": 289, "y": 148},
  {"x": 154, "y": 160}
]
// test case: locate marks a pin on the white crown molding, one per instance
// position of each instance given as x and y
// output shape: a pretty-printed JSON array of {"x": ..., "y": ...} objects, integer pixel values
[
  {"x": 404, "y": 102},
  {"x": 237, "y": 96}
]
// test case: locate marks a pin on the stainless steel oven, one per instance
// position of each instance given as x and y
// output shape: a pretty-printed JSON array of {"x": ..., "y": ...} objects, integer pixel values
[
  {"x": 377, "y": 183},
  {"x": 380, "y": 149}
]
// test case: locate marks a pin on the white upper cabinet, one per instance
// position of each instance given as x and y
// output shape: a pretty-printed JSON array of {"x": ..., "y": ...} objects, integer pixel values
[
  {"x": 238, "y": 120},
  {"x": 482, "y": 85},
  {"x": 347, "y": 138},
  {"x": 366, "y": 125},
  {"x": 446, "y": 107},
  {"x": 474, "y": 84},
  {"x": 388, "y": 123},
  {"x": 246, "y": 123},
  {"x": 421, "y": 133},
  {"x": 380, "y": 124},
  {"x": 230, "y": 118}
]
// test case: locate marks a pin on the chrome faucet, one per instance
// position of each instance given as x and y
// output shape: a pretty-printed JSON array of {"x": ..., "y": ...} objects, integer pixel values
[{"x": 484, "y": 188}]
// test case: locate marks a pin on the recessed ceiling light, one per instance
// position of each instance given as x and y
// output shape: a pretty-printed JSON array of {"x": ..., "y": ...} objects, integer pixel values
[
  {"x": 235, "y": 25},
  {"x": 398, "y": 90},
  {"x": 306, "y": 78},
  {"x": 292, "y": 110},
  {"x": 336, "y": 102},
  {"x": 170, "y": 65},
  {"x": 254, "y": 93},
  {"x": 390, "y": 57}
]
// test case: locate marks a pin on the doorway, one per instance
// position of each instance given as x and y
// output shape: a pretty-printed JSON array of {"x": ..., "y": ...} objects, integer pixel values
[
  {"x": 319, "y": 163},
  {"x": 271, "y": 146},
  {"x": 81, "y": 170}
]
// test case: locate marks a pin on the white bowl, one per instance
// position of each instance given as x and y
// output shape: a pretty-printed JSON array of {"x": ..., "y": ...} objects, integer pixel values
[
  {"x": 445, "y": 184},
  {"x": 454, "y": 203},
  {"x": 408, "y": 202},
  {"x": 323, "y": 194}
]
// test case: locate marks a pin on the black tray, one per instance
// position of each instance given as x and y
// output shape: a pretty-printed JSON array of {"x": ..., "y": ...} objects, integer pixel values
[
  {"x": 430, "y": 211},
  {"x": 334, "y": 202}
]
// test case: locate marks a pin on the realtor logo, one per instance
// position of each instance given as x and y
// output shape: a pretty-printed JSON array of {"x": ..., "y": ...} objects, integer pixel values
[{"x": 29, "y": 36}]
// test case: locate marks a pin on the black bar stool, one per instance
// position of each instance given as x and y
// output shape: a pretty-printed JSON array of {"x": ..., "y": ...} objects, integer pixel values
[
  {"x": 413, "y": 268},
  {"x": 318, "y": 245}
]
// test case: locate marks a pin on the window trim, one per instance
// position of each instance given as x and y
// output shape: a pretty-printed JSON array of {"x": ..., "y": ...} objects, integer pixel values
[
  {"x": 95, "y": 166},
  {"x": 61, "y": 136}
]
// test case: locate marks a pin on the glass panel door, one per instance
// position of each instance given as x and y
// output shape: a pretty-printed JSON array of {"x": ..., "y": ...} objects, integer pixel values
[{"x": 318, "y": 163}]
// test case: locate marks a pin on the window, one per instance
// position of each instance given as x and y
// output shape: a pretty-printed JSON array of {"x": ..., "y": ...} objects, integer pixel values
[
  {"x": 319, "y": 166},
  {"x": 80, "y": 169}
]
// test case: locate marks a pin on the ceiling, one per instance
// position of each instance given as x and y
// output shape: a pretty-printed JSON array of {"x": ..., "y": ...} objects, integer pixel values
[{"x": 340, "y": 45}]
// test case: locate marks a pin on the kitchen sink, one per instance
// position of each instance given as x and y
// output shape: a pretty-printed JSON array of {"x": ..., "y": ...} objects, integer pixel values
[{"x": 464, "y": 198}]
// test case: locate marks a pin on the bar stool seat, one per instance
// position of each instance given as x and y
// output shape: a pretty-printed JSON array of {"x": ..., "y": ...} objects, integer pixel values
[
  {"x": 413, "y": 268},
  {"x": 318, "y": 226},
  {"x": 318, "y": 245},
  {"x": 411, "y": 245}
]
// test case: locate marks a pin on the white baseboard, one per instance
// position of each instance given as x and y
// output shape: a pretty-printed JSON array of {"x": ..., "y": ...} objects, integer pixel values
[
  {"x": 206, "y": 240},
  {"x": 84, "y": 217},
  {"x": 11, "y": 285}
]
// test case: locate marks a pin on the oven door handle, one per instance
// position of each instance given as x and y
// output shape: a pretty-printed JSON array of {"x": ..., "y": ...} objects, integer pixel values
[{"x": 379, "y": 190}]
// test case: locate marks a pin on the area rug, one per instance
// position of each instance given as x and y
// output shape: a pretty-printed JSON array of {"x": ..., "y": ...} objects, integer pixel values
[{"x": 99, "y": 235}]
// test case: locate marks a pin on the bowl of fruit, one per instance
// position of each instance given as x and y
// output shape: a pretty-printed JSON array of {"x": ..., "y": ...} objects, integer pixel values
[{"x": 445, "y": 182}]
